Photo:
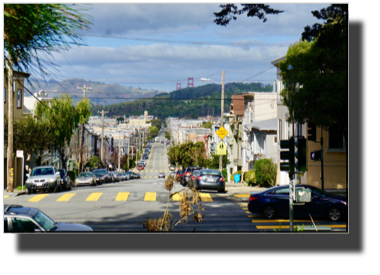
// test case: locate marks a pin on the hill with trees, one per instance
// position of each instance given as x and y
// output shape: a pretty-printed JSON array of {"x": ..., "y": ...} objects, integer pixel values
[{"x": 187, "y": 102}]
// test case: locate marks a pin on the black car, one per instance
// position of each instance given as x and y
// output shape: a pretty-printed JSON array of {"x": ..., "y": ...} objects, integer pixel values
[
  {"x": 104, "y": 174},
  {"x": 65, "y": 180},
  {"x": 19, "y": 219},
  {"x": 209, "y": 179},
  {"x": 145, "y": 156},
  {"x": 99, "y": 178},
  {"x": 180, "y": 174},
  {"x": 187, "y": 175},
  {"x": 275, "y": 202},
  {"x": 193, "y": 178}
]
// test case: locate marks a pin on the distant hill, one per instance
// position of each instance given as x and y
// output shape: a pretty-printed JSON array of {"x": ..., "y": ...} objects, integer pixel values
[
  {"x": 187, "y": 102},
  {"x": 100, "y": 94}
]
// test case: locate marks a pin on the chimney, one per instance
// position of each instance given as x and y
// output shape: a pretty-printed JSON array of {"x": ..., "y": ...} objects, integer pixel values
[{"x": 146, "y": 116}]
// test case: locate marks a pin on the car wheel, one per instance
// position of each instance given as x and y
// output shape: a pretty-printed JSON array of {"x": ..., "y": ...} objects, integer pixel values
[
  {"x": 69, "y": 186},
  {"x": 57, "y": 187},
  {"x": 334, "y": 213},
  {"x": 269, "y": 212},
  {"x": 34, "y": 191},
  {"x": 222, "y": 191}
]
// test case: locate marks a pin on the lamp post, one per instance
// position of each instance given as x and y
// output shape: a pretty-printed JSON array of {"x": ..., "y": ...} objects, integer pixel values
[{"x": 222, "y": 112}]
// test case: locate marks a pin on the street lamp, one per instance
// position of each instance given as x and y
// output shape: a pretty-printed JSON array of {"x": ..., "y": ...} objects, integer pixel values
[{"x": 222, "y": 111}]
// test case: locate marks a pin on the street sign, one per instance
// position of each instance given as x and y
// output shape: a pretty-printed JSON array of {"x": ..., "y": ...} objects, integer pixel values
[
  {"x": 222, "y": 133},
  {"x": 221, "y": 149},
  {"x": 19, "y": 153}
]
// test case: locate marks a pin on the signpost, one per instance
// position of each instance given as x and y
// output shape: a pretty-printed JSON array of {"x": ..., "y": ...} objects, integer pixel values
[
  {"x": 221, "y": 149},
  {"x": 222, "y": 132}
]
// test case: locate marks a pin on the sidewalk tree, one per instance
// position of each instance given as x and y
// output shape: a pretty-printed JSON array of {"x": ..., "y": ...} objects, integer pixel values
[
  {"x": 207, "y": 124},
  {"x": 213, "y": 161},
  {"x": 153, "y": 131},
  {"x": 188, "y": 154},
  {"x": 63, "y": 118}
]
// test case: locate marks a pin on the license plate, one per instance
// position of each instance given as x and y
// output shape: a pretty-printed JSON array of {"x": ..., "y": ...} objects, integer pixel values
[{"x": 39, "y": 183}]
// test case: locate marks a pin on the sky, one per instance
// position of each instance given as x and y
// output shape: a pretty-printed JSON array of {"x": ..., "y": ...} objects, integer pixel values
[{"x": 155, "y": 46}]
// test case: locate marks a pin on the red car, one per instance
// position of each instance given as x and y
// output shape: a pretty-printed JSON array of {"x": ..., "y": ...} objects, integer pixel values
[{"x": 140, "y": 167}]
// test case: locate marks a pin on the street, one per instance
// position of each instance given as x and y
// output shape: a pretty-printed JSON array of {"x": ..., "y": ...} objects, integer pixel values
[{"x": 124, "y": 206}]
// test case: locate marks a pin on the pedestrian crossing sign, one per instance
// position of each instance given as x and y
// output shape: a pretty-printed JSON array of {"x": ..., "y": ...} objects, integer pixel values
[
  {"x": 222, "y": 133},
  {"x": 221, "y": 149}
]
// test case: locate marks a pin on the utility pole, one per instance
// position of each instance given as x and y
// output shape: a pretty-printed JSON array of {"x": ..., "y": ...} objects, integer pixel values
[
  {"x": 102, "y": 139},
  {"x": 10, "y": 125},
  {"x": 221, "y": 120},
  {"x": 119, "y": 152},
  {"x": 128, "y": 154},
  {"x": 84, "y": 88}
]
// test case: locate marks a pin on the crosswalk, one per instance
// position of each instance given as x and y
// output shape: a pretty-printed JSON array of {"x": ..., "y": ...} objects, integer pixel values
[
  {"x": 96, "y": 196},
  {"x": 279, "y": 224}
]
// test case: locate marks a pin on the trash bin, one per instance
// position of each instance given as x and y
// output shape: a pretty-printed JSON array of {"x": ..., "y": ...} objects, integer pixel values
[{"x": 237, "y": 178}]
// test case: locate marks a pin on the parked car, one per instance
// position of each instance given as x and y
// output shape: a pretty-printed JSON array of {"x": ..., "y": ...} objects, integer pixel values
[
  {"x": 129, "y": 175},
  {"x": 85, "y": 178},
  {"x": 180, "y": 174},
  {"x": 103, "y": 172},
  {"x": 45, "y": 178},
  {"x": 145, "y": 156},
  {"x": 20, "y": 219},
  {"x": 173, "y": 174},
  {"x": 187, "y": 174},
  {"x": 161, "y": 175},
  {"x": 193, "y": 178},
  {"x": 99, "y": 178},
  {"x": 136, "y": 175},
  {"x": 65, "y": 179},
  {"x": 122, "y": 177},
  {"x": 210, "y": 179},
  {"x": 140, "y": 166},
  {"x": 115, "y": 176},
  {"x": 171, "y": 168},
  {"x": 275, "y": 202}
]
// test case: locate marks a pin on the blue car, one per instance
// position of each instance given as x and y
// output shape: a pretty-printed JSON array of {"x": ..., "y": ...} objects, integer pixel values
[{"x": 274, "y": 202}]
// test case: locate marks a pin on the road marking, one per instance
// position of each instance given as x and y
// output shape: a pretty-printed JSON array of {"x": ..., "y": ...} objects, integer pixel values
[
  {"x": 242, "y": 204},
  {"x": 160, "y": 171},
  {"x": 66, "y": 197},
  {"x": 166, "y": 171},
  {"x": 254, "y": 216},
  {"x": 205, "y": 197},
  {"x": 144, "y": 177},
  {"x": 155, "y": 171},
  {"x": 6, "y": 197},
  {"x": 177, "y": 197},
  {"x": 150, "y": 177},
  {"x": 38, "y": 198},
  {"x": 245, "y": 208},
  {"x": 294, "y": 226},
  {"x": 150, "y": 196},
  {"x": 155, "y": 177},
  {"x": 151, "y": 171},
  {"x": 286, "y": 221},
  {"x": 94, "y": 197},
  {"x": 242, "y": 195},
  {"x": 122, "y": 196}
]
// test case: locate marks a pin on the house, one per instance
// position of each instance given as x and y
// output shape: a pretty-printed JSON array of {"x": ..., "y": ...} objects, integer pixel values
[
  {"x": 334, "y": 147},
  {"x": 18, "y": 111}
]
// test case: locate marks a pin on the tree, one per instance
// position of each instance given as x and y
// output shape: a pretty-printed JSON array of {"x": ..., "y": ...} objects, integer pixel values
[
  {"x": 167, "y": 135},
  {"x": 33, "y": 30},
  {"x": 207, "y": 124},
  {"x": 188, "y": 154},
  {"x": 120, "y": 119},
  {"x": 156, "y": 123},
  {"x": 153, "y": 131},
  {"x": 63, "y": 118},
  {"x": 213, "y": 161}
]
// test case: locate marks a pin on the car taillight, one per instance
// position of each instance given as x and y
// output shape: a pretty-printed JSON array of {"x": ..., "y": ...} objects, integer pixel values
[
  {"x": 180, "y": 175},
  {"x": 187, "y": 174},
  {"x": 253, "y": 198},
  {"x": 222, "y": 179},
  {"x": 198, "y": 178},
  {"x": 193, "y": 178}
]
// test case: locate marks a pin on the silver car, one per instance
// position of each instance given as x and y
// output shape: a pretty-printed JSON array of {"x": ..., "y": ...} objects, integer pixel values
[
  {"x": 85, "y": 178},
  {"x": 45, "y": 178}
]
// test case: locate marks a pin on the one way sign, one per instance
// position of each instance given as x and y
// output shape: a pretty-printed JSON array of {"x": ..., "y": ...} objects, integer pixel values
[{"x": 221, "y": 149}]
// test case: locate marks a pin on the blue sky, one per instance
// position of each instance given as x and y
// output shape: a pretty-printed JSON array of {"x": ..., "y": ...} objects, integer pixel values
[{"x": 157, "y": 48}]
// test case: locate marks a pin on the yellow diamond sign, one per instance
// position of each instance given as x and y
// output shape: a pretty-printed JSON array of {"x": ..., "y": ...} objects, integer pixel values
[
  {"x": 222, "y": 133},
  {"x": 221, "y": 149}
]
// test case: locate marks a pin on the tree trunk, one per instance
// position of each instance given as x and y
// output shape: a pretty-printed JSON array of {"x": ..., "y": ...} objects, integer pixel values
[{"x": 10, "y": 126}]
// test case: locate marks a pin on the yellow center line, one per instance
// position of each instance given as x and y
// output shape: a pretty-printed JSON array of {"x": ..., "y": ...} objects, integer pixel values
[
  {"x": 294, "y": 226},
  {"x": 286, "y": 221},
  {"x": 150, "y": 196},
  {"x": 144, "y": 177},
  {"x": 242, "y": 195},
  {"x": 155, "y": 171},
  {"x": 245, "y": 208},
  {"x": 38, "y": 198},
  {"x": 66, "y": 197},
  {"x": 6, "y": 197},
  {"x": 177, "y": 197},
  {"x": 94, "y": 197},
  {"x": 122, "y": 196},
  {"x": 242, "y": 204},
  {"x": 155, "y": 177},
  {"x": 206, "y": 197},
  {"x": 150, "y": 177}
]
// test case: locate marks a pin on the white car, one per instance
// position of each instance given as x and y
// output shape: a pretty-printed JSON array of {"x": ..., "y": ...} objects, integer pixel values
[{"x": 44, "y": 178}]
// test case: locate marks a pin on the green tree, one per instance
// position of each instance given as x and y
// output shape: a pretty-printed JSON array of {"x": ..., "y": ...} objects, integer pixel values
[
  {"x": 157, "y": 123},
  {"x": 120, "y": 119},
  {"x": 94, "y": 160},
  {"x": 167, "y": 135},
  {"x": 34, "y": 30},
  {"x": 213, "y": 161},
  {"x": 188, "y": 154},
  {"x": 207, "y": 124},
  {"x": 153, "y": 131},
  {"x": 63, "y": 117}
]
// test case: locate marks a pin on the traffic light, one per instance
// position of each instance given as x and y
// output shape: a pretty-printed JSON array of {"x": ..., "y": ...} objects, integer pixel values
[
  {"x": 287, "y": 156},
  {"x": 316, "y": 155},
  {"x": 300, "y": 154},
  {"x": 311, "y": 131}
]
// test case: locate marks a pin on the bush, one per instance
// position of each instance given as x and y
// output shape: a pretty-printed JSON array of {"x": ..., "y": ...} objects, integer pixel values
[
  {"x": 265, "y": 172},
  {"x": 250, "y": 178},
  {"x": 224, "y": 173}
]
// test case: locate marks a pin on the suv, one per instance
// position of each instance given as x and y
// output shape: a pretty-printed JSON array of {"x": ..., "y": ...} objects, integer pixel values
[
  {"x": 20, "y": 219},
  {"x": 187, "y": 175},
  {"x": 45, "y": 178},
  {"x": 65, "y": 179}
]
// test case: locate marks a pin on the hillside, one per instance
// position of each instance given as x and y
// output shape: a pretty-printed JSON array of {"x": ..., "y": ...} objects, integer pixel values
[
  {"x": 187, "y": 102},
  {"x": 99, "y": 94}
]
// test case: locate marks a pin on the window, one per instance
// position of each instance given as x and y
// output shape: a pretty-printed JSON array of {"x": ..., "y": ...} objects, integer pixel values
[
  {"x": 289, "y": 130},
  {"x": 280, "y": 129},
  {"x": 19, "y": 99},
  {"x": 335, "y": 138},
  {"x": 5, "y": 95},
  {"x": 23, "y": 225},
  {"x": 299, "y": 129}
]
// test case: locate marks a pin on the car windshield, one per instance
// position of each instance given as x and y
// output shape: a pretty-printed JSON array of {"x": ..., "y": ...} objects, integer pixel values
[
  {"x": 42, "y": 171},
  {"x": 96, "y": 174},
  {"x": 318, "y": 191},
  {"x": 196, "y": 172},
  {"x": 85, "y": 174},
  {"x": 101, "y": 171},
  {"x": 43, "y": 220},
  {"x": 211, "y": 172}
]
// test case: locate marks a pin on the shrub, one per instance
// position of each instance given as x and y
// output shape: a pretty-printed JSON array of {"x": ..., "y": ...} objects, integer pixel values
[
  {"x": 265, "y": 172},
  {"x": 250, "y": 178},
  {"x": 224, "y": 173}
]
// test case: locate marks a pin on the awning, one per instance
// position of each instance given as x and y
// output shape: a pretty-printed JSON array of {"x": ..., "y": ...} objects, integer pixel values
[{"x": 264, "y": 125}]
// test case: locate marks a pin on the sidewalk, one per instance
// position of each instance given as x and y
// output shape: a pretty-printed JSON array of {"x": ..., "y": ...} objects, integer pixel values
[{"x": 15, "y": 193}]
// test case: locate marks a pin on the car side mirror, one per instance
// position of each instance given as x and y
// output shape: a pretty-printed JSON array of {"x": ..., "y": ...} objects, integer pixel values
[{"x": 57, "y": 174}]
